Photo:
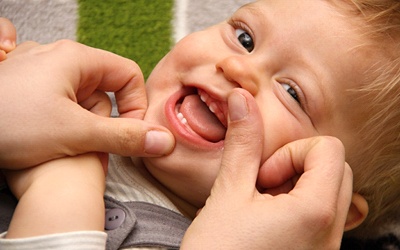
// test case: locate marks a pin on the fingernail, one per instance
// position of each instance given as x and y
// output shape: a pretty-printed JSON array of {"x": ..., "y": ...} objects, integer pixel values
[
  {"x": 158, "y": 142},
  {"x": 237, "y": 106}
]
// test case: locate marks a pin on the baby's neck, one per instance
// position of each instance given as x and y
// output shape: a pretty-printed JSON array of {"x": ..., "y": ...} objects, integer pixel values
[{"x": 184, "y": 207}]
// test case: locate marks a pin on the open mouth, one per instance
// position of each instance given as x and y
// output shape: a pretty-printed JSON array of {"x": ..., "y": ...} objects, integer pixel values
[{"x": 201, "y": 115}]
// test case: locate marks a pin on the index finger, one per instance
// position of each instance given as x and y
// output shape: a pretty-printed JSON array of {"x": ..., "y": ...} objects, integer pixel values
[
  {"x": 319, "y": 160},
  {"x": 120, "y": 75},
  {"x": 101, "y": 70}
]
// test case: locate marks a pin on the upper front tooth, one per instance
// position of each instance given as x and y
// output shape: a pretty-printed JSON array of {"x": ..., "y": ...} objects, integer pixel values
[
  {"x": 212, "y": 107},
  {"x": 203, "y": 96}
]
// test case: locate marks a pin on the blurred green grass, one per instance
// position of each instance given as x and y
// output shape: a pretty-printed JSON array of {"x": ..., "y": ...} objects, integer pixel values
[{"x": 136, "y": 29}]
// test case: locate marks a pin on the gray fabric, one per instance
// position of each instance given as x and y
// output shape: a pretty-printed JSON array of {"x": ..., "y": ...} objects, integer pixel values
[
  {"x": 7, "y": 206},
  {"x": 146, "y": 225}
]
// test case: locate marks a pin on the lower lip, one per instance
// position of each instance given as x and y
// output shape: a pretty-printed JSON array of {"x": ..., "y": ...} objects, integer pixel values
[{"x": 180, "y": 129}]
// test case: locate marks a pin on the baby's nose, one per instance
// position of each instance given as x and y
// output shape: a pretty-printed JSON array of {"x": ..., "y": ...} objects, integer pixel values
[{"x": 239, "y": 70}]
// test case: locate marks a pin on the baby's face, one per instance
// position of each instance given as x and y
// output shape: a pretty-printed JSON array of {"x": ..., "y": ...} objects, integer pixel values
[{"x": 297, "y": 58}]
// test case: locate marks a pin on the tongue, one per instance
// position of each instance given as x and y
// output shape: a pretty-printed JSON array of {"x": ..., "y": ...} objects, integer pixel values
[{"x": 201, "y": 119}]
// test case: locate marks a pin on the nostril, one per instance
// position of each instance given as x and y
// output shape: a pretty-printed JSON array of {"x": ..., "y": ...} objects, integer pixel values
[
  {"x": 238, "y": 70},
  {"x": 227, "y": 77}
]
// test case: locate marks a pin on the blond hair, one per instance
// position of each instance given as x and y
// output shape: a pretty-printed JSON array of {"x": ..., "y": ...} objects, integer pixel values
[{"x": 375, "y": 157}]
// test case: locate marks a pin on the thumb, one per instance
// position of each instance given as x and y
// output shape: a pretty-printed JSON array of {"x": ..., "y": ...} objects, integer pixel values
[
  {"x": 123, "y": 136},
  {"x": 243, "y": 145}
]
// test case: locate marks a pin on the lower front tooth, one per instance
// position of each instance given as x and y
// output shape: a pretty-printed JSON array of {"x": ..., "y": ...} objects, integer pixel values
[{"x": 181, "y": 118}]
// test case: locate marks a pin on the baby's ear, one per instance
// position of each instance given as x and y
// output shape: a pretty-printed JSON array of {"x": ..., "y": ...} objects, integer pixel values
[{"x": 357, "y": 213}]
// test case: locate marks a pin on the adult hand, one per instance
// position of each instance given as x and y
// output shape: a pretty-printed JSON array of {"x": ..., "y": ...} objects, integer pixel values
[
  {"x": 8, "y": 37},
  {"x": 41, "y": 89},
  {"x": 237, "y": 215}
]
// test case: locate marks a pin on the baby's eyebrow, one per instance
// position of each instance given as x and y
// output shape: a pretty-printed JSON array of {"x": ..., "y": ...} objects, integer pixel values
[{"x": 253, "y": 11}]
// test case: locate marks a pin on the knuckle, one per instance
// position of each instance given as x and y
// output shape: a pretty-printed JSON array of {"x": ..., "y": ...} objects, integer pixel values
[
  {"x": 326, "y": 218},
  {"x": 322, "y": 218},
  {"x": 348, "y": 171},
  {"x": 330, "y": 143},
  {"x": 66, "y": 45},
  {"x": 136, "y": 74},
  {"x": 29, "y": 44},
  {"x": 317, "y": 215},
  {"x": 135, "y": 67}
]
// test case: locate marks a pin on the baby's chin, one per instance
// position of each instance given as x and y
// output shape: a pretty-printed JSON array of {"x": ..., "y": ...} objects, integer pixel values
[{"x": 177, "y": 168}]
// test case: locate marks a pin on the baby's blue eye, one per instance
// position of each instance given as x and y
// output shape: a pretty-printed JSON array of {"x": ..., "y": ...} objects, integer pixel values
[
  {"x": 245, "y": 39},
  {"x": 291, "y": 91}
]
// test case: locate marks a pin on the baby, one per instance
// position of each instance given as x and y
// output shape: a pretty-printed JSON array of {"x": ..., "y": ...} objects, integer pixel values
[
  {"x": 315, "y": 68},
  {"x": 325, "y": 73}
]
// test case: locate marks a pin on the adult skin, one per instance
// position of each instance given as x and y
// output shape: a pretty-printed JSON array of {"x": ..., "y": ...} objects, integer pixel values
[
  {"x": 235, "y": 206},
  {"x": 45, "y": 88},
  {"x": 310, "y": 180}
]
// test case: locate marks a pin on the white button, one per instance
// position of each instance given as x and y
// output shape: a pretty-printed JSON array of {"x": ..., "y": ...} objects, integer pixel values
[{"x": 114, "y": 218}]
